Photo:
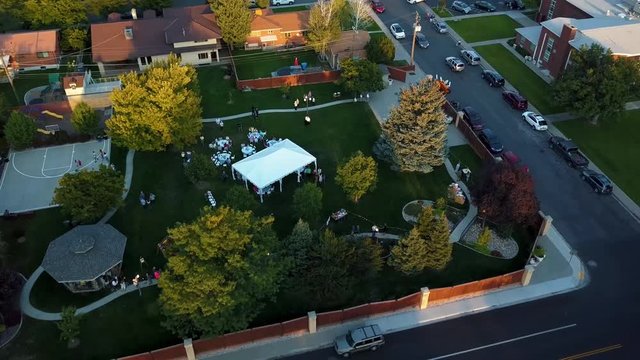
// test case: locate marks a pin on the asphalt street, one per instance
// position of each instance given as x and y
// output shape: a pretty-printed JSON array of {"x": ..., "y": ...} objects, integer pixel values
[{"x": 605, "y": 235}]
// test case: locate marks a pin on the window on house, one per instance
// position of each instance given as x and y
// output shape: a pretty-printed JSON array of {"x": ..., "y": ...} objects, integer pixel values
[
  {"x": 203, "y": 56},
  {"x": 149, "y": 60},
  {"x": 552, "y": 8},
  {"x": 547, "y": 50},
  {"x": 143, "y": 61},
  {"x": 287, "y": 35},
  {"x": 270, "y": 32},
  {"x": 42, "y": 54}
]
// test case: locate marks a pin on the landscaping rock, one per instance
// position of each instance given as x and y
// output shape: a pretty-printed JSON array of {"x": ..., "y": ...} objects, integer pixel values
[{"x": 507, "y": 247}]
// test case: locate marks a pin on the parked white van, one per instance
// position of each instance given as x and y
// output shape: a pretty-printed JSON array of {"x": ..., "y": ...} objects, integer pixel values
[{"x": 471, "y": 57}]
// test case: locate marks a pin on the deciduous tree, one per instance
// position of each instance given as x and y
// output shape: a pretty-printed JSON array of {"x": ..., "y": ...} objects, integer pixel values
[
  {"x": 307, "y": 202},
  {"x": 157, "y": 108},
  {"x": 74, "y": 39},
  {"x": 200, "y": 168},
  {"x": 87, "y": 195},
  {"x": 241, "y": 199},
  {"x": 380, "y": 50},
  {"x": 234, "y": 19},
  {"x": 505, "y": 195},
  {"x": 20, "y": 130},
  {"x": 104, "y": 7},
  {"x": 324, "y": 24},
  {"x": 414, "y": 137},
  {"x": 152, "y": 4},
  {"x": 357, "y": 176},
  {"x": 85, "y": 120},
  {"x": 359, "y": 76},
  {"x": 263, "y": 4},
  {"x": 222, "y": 270},
  {"x": 59, "y": 13},
  {"x": 359, "y": 13},
  {"x": 596, "y": 85}
]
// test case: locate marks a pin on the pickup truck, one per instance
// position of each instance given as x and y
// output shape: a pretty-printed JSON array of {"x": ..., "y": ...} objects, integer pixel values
[{"x": 569, "y": 151}]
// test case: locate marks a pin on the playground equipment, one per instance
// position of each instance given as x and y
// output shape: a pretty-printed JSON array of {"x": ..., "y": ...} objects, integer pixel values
[{"x": 50, "y": 113}]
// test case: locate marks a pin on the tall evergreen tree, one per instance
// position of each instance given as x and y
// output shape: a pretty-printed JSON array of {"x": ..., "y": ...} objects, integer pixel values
[
  {"x": 414, "y": 137},
  {"x": 297, "y": 246},
  {"x": 157, "y": 108},
  {"x": 410, "y": 253},
  {"x": 438, "y": 246},
  {"x": 234, "y": 19}
]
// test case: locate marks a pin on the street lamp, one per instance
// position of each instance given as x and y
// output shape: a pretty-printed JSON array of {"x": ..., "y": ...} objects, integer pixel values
[
  {"x": 308, "y": 98},
  {"x": 141, "y": 262},
  {"x": 202, "y": 140}
]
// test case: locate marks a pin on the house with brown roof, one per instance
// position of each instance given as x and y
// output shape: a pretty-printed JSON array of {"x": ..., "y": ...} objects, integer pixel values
[
  {"x": 191, "y": 33},
  {"x": 30, "y": 50},
  {"x": 351, "y": 44},
  {"x": 272, "y": 30}
]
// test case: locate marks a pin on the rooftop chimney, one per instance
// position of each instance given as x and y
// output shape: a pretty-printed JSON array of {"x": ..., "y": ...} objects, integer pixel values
[
  {"x": 134, "y": 14},
  {"x": 128, "y": 33}
]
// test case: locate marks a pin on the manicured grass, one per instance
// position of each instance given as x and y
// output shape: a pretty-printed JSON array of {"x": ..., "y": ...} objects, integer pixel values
[
  {"x": 484, "y": 28},
  {"x": 25, "y": 82},
  {"x": 613, "y": 146},
  {"x": 467, "y": 158},
  {"x": 220, "y": 97},
  {"x": 442, "y": 12},
  {"x": 277, "y": 9},
  {"x": 260, "y": 64},
  {"x": 536, "y": 90}
]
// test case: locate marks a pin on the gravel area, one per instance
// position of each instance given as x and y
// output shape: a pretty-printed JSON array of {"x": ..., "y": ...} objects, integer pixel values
[{"x": 507, "y": 247}]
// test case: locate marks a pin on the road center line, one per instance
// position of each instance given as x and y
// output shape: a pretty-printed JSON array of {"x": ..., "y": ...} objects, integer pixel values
[
  {"x": 592, "y": 352},
  {"x": 503, "y": 342}
]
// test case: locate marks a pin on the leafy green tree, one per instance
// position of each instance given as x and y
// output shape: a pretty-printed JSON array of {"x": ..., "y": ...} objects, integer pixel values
[
  {"x": 104, "y": 7},
  {"x": 307, "y": 202},
  {"x": 439, "y": 247},
  {"x": 69, "y": 325},
  {"x": 200, "y": 168},
  {"x": 381, "y": 50},
  {"x": 263, "y": 4},
  {"x": 157, "y": 108},
  {"x": 359, "y": 76},
  {"x": 414, "y": 137},
  {"x": 224, "y": 264},
  {"x": 152, "y": 4},
  {"x": 87, "y": 195},
  {"x": 324, "y": 24},
  {"x": 20, "y": 130},
  {"x": 484, "y": 238},
  {"x": 74, "y": 39},
  {"x": 369, "y": 259},
  {"x": 297, "y": 246},
  {"x": 596, "y": 85},
  {"x": 357, "y": 176},
  {"x": 410, "y": 253},
  {"x": 234, "y": 19},
  {"x": 241, "y": 199},
  {"x": 58, "y": 13},
  {"x": 85, "y": 120},
  {"x": 5, "y": 109},
  {"x": 11, "y": 15}
]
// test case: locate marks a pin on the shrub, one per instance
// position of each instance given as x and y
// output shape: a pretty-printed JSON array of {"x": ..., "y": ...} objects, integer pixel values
[
  {"x": 539, "y": 251},
  {"x": 484, "y": 238},
  {"x": 307, "y": 202},
  {"x": 20, "y": 130},
  {"x": 381, "y": 50},
  {"x": 239, "y": 198},
  {"x": 200, "y": 168}
]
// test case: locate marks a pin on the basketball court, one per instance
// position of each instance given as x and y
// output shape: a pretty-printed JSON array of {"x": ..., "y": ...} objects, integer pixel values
[{"x": 31, "y": 176}]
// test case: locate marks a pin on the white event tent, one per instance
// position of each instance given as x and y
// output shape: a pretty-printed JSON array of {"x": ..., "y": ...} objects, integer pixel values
[{"x": 272, "y": 164}]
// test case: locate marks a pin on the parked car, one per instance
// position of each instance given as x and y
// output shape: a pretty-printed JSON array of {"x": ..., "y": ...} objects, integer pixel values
[
  {"x": 414, "y": 1},
  {"x": 454, "y": 63},
  {"x": 397, "y": 31},
  {"x": 377, "y": 6},
  {"x": 473, "y": 118},
  {"x": 282, "y": 2},
  {"x": 485, "y": 5},
  {"x": 512, "y": 159},
  {"x": 360, "y": 339},
  {"x": 490, "y": 140},
  {"x": 516, "y": 100},
  {"x": 536, "y": 121},
  {"x": 471, "y": 57},
  {"x": 493, "y": 78},
  {"x": 461, "y": 6},
  {"x": 514, "y": 4},
  {"x": 421, "y": 40},
  {"x": 599, "y": 183},
  {"x": 569, "y": 152},
  {"x": 440, "y": 26}
]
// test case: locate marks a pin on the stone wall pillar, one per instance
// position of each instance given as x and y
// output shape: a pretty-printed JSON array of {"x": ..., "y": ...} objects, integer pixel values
[
  {"x": 528, "y": 273},
  {"x": 311, "y": 315},
  {"x": 424, "y": 301},
  {"x": 188, "y": 348},
  {"x": 546, "y": 224}
]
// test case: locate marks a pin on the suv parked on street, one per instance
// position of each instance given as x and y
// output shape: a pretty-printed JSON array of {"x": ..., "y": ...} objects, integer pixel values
[
  {"x": 473, "y": 118},
  {"x": 282, "y": 2},
  {"x": 485, "y": 5},
  {"x": 364, "y": 338},
  {"x": 516, "y": 100},
  {"x": 490, "y": 140},
  {"x": 493, "y": 78},
  {"x": 440, "y": 26},
  {"x": 599, "y": 183},
  {"x": 454, "y": 63},
  {"x": 471, "y": 57},
  {"x": 461, "y": 6}
]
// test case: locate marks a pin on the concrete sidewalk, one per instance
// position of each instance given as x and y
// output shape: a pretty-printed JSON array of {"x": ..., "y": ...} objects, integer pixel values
[{"x": 559, "y": 272}]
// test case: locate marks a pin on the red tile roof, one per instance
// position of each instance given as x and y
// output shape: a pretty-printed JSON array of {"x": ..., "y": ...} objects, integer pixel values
[
  {"x": 27, "y": 44},
  {"x": 287, "y": 21}
]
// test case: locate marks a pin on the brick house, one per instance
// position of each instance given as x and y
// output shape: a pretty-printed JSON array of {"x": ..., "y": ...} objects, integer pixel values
[
  {"x": 551, "y": 43},
  {"x": 351, "y": 44},
  {"x": 272, "y": 30},
  {"x": 190, "y": 32},
  {"x": 30, "y": 50},
  {"x": 585, "y": 9}
]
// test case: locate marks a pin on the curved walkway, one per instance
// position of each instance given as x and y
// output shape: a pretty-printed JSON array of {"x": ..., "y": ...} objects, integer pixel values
[
  {"x": 128, "y": 175},
  {"x": 456, "y": 234},
  {"x": 271, "y": 111}
]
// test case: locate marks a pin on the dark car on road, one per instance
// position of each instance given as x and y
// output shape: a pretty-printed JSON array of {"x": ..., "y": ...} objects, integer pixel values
[
  {"x": 493, "y": 78},
  {"x": 485, "y": 5},
  {"x": 472, "y": 117},
  {"x": 516, "y": 100},
  {"x": 377, "y": 6},
  {"x": 421, "y": 40},
  {"x": 599, "y": 183},
  {"x": 490, "y": 140},
  {"x": 514, "y": 4}
]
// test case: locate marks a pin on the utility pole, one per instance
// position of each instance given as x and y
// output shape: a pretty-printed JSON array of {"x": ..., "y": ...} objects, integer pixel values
[
  {"x": 416, "y": 28},
  {"x": 6, "y": 71}
]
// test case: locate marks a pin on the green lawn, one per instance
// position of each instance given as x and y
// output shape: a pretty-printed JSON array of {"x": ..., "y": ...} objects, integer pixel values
[
  {"x": 25, "y": 82},
  {"x": 277, "y": 9},
  {"x": 613, "y": 146},
  {"x": 467, "y": 158},
  {"x": 442, "y": 12},
  {"x": 485, "y": 28},
  {"x": 536, "y": 90},
  {"x": 220, "y": 97},
  {"x": 260, "y": 64}
]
